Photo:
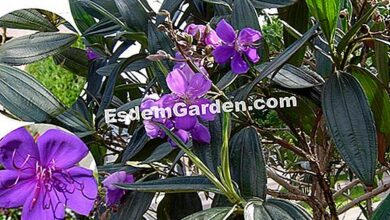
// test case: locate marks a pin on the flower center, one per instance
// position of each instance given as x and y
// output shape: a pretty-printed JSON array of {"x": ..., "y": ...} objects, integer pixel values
[{"x": 45, "y": 173}]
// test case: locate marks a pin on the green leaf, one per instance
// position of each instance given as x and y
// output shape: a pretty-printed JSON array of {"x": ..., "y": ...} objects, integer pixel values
[
  {"x": 139, "y": 203},
  {"x": 219, "y": 2},
  {"x": 210, "y": 153},
  {"x": 274, "y": 209},
  {"x": 377, "y": 97},
  {"x": 324, "y": 65},
  {"x": 299, "y": 23},
  {"x": 169, "y": 5},
  {"x": 134, "y": 14},
  {"x": 74, "y": 60},
  {"x": 27, "y": 19},
  {"x": 272, "y": 3},
  {"x": 246, "y": 155},
  {"x": 294, "y": 210},
  {"x": 34, "y": 47},
  {"x": 158, "y": 40},
  {"x": 219, "y": 213},
  {"x": 350, "y": 120},
  {"x": 178, "y": 206},
  {"x": 354, "y": 30},
  {"x": 381, "y": 54},
  {"x": 159, "y": 153},
  {"x": 173, "y": 185},
  {"x": 383, "y": 210},
  {"x": 292, "y": 77},
  {"x": 25, "y": 97},
  {"x": 102, "y": 28},
  {"x": 277, "y": 63},
  {"x": 136, "y": 144},
  {"x": 327, "y": 13},
  {"x": 226, "y": 80}
]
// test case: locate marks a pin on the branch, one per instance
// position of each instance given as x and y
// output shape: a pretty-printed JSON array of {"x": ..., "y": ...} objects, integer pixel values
[{"x": 366, "y": 196}]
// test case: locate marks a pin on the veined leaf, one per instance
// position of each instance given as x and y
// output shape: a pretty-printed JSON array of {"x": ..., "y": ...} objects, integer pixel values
[
  {"x": 383, "y": 210},
  {"x": 74, "y": 60},
  {"x": 134, "y": 14},
  {"x": 246, "y": 154},
  {"x": 327, "y": 14},
  {"x": 173, "y": 185},
  {"x": 139, "y": 203},
  {"x": 34, "y": 47},
  {"x": 168, "y": 5},
  {"x": 219, "y": 213},
  {"x": 27, "y": 19},
  {"x": 25, "y": 97},
  {"x": 277, "y": 63},
  {"x": 351, "y": 122},
  {"x": 381, "y": 54},
  {"x": 272, "y": 3},
  {"x": 178, "y": 206}
]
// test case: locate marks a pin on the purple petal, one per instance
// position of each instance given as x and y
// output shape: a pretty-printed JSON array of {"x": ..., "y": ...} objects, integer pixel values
[
  {"x": 61, "y": 149},
  {"x": 222, "y": 54},
  {"x": 186, "y": 122},
  {"x": 177, "y": 82},
  {"x": 208, "y": 116},
  {"x": 114, "y": 194},
  {"x": 238, "y": 64},
  {"x": 201, "y": 134},
  {"x": 43, "y": 204},
  {"x": 14, "y": 186},
  {"x": 199, "y": 86},
  {"x": 182, "y": 134},
  {"x": 18, "y": 149},
  {"x": 212, "y": 39},
  {"x": 252, "y": 55},
  {"x": 152, "y": 130},
  {"x": 82, "y": 198},
  {"x": 249, "y": 36},
  {"x": 226, "y": 32}
]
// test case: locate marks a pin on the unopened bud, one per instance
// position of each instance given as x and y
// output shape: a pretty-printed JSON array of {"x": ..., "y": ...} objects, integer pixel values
[
  {"x": 365, "y": 29},
  {"x": 164, "y": 13},
  {"x": 343, "y": 14}
]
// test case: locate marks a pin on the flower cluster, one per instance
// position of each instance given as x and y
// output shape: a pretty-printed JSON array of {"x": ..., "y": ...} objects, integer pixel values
[
  {"x": 189, "y": 86},
  {"x": 43, "y": 176}
]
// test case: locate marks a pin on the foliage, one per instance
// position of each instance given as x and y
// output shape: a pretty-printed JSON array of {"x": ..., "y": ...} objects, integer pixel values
[{"x": 335, "y": 63}]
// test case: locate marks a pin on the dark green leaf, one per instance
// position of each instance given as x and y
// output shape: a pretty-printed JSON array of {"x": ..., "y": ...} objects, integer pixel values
[
  {"x": 178, "y": 206},
  {"x": 354, "y": 30},
  {"x": 277, "y": 63},
  {"x": 173, "y": 185},
  {"x": 324, "y": 65},
  {"x": 159, "y": 153},
  {"x": 381, "y": 54},
  {"x": 74, "y": 60},
  {"x": 136, "y": 144},
  {"x": 383, "y": 210},
  {"x": 299, "y": 23},
  {"x": 25, "y": 97},
  {"x": 31, "y": 48},
  {"x": 134, "y": 14},
  {"x": 134, "y": 207},
  {"x": 294, "y": 210},
  {"x": 377, "y": 97},
  {"x": 327, "y": 14},
  {"x": 218, "y": 213},
  {"x": 351, "y": 123},
  {"x": 103, "y": 27},
  {"x": 226, "y": 80},
  {"x": 246, "y": 154},
  {"x": 272, "y": 3},
  {"x": 168, "y": 5},
  {"x": 209, "y": 153},
  {"x": 27, "y": 19},
  {"x": 158, "y": 40}
]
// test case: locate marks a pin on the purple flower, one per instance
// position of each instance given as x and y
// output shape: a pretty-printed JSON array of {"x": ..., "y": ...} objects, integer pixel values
[
  {"x": 43, "y": 176},
  {"x": 235, "y": 47},
  {"x": 203, "y": 34},
  {"x": 91, "y": 55},
  {"x": 189, "y": 88},
  {"x": 114, "y": 194}
]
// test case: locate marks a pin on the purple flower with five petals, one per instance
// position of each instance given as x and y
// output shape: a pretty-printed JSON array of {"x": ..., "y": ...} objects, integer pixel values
[
  {"x": 43, "y": 176},
  {"x": 114, "y": 194},
  {"x": 235, "y": 47},
  {"x": 189, "y": 88}
]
